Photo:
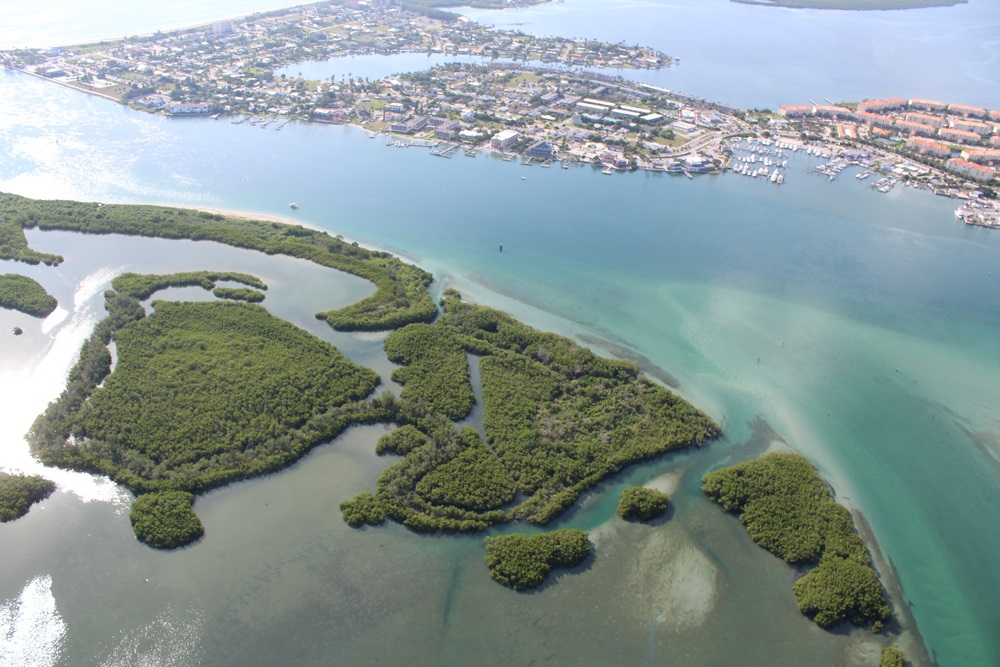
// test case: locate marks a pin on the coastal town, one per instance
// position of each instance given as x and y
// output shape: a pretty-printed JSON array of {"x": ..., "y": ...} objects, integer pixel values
[{"x": 542, "y": 100}]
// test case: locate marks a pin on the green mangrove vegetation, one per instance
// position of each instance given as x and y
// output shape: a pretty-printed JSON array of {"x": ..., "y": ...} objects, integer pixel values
[
  {"x": 435, "y": 373},
  {"x": 524, "y": 561},
  {"x": 25, "y": 294},
  {"x": 165, "y": 520},
  {"x": 141, "y": 286},
  {"x": 19, "y": 492},
  {"x": 203, "y": 394},
  {"x": 13, "y": 244},
  {"x": 401, "y": 442},
  {"x": 892, "y": 657},
  {"x": 558, "y": 418},
  {"x": 787, "y": 509},
  {"x": 238, "y": 294},
  {"x": 641, "y": 504},
  {"x": 400, "y": 298}
]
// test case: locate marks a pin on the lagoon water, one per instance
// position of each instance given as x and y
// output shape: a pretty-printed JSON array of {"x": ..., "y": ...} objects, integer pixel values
[{"x": 858, "y": 328}]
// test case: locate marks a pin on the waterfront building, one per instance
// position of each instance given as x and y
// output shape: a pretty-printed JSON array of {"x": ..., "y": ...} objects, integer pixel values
[
  {"x": 981, "y": 155},
  {"x": 979, "y": 127},
  {"x": 965, "y": 110},
  {"x": 447, "y": 130},
  {"x": 916, "y": 128},
  {"x": 926, "y": 119},
  {"x": 927, "y": 105},
  {"x": 959, "y": 135},
  {"x": 504, "y": 140},
  {"x": 189, "y": 108},
  {"x": 828, "y": 111},
  {"x": 409, "y": 126},
  {"x": 875, "y": 118},
  {"x": 795, "y": 111},
  {"x": 976, "y": 172},
  {"x": 928, "y": 147},
  {"x": 882, "y": 105},
  {"x": 541, "y": 149}
]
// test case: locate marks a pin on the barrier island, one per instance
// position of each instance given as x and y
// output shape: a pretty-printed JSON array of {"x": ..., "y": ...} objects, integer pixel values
[
  {"x": 401, "y": 296},
  {"x": 25, "y": 294},
  {"x": 787, "y": 509},
  {"x": 19, "y": 492}
]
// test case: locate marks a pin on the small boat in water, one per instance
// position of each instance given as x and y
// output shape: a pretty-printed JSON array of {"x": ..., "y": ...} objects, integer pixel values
[{"x": 293, "y": 205}]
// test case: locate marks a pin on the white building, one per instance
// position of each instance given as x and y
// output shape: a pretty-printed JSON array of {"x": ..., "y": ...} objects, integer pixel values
[
  {"x": 503, "y": 140},
  {"x": 976, "y": 172}
]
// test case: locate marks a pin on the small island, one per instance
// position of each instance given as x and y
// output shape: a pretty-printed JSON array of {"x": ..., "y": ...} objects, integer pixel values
[
  {"x": 641, "y": 504},
  {"x": 787, "y": 509},
  {"x": 524, "y": 561},
  {"x": 19, "y": 492},
  {"x": 25, "y": 294}
]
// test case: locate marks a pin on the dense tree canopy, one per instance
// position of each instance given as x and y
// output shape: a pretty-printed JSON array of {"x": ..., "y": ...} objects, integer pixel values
[
  {"x": 165, "y": 520},
  {"x": 203, "y": 393},
  {"x": 892, "y": 657},
  {"x": 25, "y": 294},
  {"x": 787, "y": 509},
  {"x": 641, "y": 504},
  {"x": 19, "y": 492},
  {"x": 524, "y": 561}
]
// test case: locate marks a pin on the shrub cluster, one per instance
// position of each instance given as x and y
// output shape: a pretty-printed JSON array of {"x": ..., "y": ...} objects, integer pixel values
[
  {"x": 523, "y": 561},
  {"x": 19, "y": 492},
  {"x": 787, "y": 509},
  {"x": 238, "y": 294},
  {"x": 364, "y": 509},
  {"x": 641, "y": 504},
  {"x": 892, "y": 657},
  {"x": 165, "y": 520},
  {"x": 25, "y": 294},
  {"x": 401, "y": 442}
]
